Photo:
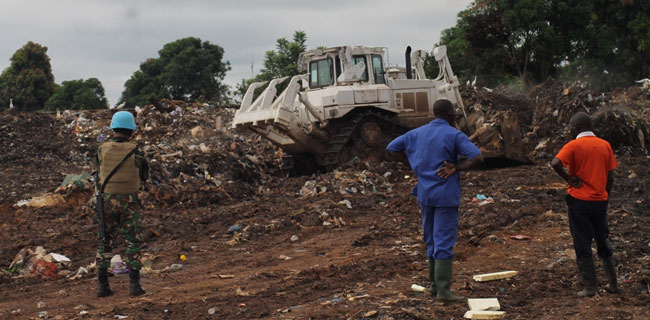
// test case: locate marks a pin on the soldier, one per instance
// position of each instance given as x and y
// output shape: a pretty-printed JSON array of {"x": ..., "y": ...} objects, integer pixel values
[
  {"x": 121, "y": 205},
  {"x": 434, "y": 153}
]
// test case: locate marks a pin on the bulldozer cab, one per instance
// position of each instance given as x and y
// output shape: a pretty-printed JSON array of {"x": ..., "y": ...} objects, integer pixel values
[{"x": 343, "y": 66}]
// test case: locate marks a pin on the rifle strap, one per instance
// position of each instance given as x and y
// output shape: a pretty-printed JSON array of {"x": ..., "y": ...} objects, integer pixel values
[{"x": 110, "y": 175}]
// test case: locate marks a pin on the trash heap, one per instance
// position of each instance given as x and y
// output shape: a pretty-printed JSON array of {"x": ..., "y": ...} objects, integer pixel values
[
  {"x": 517, "y": 126},
  {"x": 196, "y": 157},
  {"x": 37, "y": 152}
]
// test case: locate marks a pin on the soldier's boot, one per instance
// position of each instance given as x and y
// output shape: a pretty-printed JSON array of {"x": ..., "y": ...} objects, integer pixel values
[
  {"x": 610, "y": 271},
  {"x": 588, "y": 273},
  {"x": 136, "y": 288},
  {"x": 431, "y": 265},
  {"x": 443, "y": 271},
  {"x": 103, "y": 290}
]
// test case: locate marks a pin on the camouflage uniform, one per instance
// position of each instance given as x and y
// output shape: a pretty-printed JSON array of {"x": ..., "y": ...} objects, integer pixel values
[{"x": 122, "y": 216}]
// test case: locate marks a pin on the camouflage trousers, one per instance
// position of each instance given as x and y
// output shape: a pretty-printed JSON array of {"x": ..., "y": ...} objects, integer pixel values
[{"x": 121, "y": 216}]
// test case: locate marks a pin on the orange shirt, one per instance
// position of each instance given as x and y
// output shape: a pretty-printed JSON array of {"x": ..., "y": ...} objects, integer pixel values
[{"x": 590, "y": 159}]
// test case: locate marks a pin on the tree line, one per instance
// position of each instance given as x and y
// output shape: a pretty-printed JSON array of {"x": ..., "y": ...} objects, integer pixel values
[
  {"x": 526, "y": 42},
  {"x": 501, "y": 42}
]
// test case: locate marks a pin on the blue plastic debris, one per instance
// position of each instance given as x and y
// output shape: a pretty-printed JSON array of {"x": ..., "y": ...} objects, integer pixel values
[{"x": 233, "y": 229}]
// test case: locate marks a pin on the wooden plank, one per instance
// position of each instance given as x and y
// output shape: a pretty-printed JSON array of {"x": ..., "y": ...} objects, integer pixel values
[
  {"x": 485, "y": 304},
  {"x": 494, "y": 276},
  {"x": 485, "y": 314}
]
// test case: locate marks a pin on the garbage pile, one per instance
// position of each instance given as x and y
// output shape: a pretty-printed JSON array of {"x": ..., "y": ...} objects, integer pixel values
[
  {"x": 37, "y": 262},
  {"x": 535, "y": 126},
  {"x": 196, "y": 157}
]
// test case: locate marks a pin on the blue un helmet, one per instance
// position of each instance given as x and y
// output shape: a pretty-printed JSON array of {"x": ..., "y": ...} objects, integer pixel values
[{"x": 123, "y": 120}]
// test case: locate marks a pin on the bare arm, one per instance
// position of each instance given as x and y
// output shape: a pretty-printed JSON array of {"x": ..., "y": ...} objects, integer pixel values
[
  {"x": 450, "y": 168},
  {"x": 572, "y": 180}
]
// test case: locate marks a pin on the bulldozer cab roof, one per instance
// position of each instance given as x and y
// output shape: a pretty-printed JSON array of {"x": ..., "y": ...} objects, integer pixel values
[{"x": 320, "y": 53}]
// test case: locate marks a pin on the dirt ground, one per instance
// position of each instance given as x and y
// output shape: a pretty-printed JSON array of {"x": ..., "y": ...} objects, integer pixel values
[{"x": 345, "y": 244}]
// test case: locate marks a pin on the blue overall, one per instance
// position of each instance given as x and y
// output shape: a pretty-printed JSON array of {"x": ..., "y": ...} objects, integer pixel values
[{"x": 427, "y": 148}]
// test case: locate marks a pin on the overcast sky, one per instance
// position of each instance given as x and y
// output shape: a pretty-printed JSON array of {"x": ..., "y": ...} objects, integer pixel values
[{"x": 109, "y": 39}]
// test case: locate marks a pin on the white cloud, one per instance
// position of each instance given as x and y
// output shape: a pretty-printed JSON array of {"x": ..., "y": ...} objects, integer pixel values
[{"x": 109, "y": 39}]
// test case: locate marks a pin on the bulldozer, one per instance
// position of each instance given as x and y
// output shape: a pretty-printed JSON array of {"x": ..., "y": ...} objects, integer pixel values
[{"x": 349, "y": 105}]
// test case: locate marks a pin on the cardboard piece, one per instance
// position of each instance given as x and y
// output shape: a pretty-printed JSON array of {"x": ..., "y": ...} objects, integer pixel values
[
  {"x": 485, "y": 304},
  {"x": 494, "y": 276}
]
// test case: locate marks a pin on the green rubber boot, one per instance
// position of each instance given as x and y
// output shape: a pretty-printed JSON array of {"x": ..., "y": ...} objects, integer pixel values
[
  {"x": 588, "y": 272},
  {"x": 431, "y": 265},
  {"x": 443, "y": 271}
]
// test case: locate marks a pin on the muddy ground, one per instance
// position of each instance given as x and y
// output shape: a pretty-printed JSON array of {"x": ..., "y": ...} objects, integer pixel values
[{"x": 351, "y": 259}]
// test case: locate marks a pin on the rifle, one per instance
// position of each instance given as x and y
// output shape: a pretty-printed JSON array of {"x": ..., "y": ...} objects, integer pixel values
[{"x": 99, "y": 194}]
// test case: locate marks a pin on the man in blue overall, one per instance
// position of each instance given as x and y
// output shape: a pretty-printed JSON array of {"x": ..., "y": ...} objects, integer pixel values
[{"x": 434, "y": 153}]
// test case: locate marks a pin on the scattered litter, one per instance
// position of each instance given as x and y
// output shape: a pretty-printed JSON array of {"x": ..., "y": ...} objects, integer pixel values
[
  {"x": 45, "y": 269},
  {"x": 309, "y": 189},
  {"x": 78, "y": 180},
  {"x": 176, "y": 267},
  {"x": 212, "y": 311},
  {"x": 233, "y": 229},
  {"x": 484, "y": 314},
  {"x": 59, "y": 257},
  {"x": 519, "y": 237},
  {"x": 118, "y": 266},
  {"x": 494, "y": 276},
  {"x": 294, "y": 238},
  {"x": 482, "y": 200},
  {"x": 242, "y": 293},
  {"x": 352, "y": 298},
  {"x": 147, "y": 263},
  {"x": 182, "y": 257},
  {"x": 283, "y": 257},
  {"x": 347, "y": 203},
  {"x": 40, "y": 305},
  {"x": 418, "y": 288},
  {"x": 484, "y": 304},
  {"x": 47, "y": 200},
  {"x": 370, "y": 314},
  {"x": 42, "y": 314},
  {"x": 119, "y": 316},
  {"x": 226, "y": 276}
]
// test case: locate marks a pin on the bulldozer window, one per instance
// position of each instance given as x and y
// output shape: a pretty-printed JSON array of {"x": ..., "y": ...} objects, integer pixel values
[
  {"x": 321, "y": 73},
  {"x": 378, "y": 69},
  {"x": 357, "y": 59}
]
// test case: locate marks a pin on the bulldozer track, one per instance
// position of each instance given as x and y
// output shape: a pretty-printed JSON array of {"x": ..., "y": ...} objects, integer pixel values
[{"x": 349, "y": 127}]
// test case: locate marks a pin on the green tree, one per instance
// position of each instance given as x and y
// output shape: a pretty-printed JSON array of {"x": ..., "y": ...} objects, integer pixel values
[
  {"x": 28, "y": 80},
  {"x": 186, "y": 69},
  {"x": 78, "y": 95},
  {"x": 615, "y": 46},
  {"x": 281, "y": 62},
  {"x": 607, "y": 42}
]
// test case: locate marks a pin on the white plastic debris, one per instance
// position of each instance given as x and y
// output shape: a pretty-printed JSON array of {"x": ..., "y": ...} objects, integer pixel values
[{"x": 60, "y": 258}]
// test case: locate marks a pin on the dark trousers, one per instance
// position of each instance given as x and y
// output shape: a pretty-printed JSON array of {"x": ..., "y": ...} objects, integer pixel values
[{"x": 588, "y": 221}]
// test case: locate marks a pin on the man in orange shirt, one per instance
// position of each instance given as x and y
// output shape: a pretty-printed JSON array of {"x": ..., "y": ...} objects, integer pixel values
[{"x": 591, "y": 163}]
